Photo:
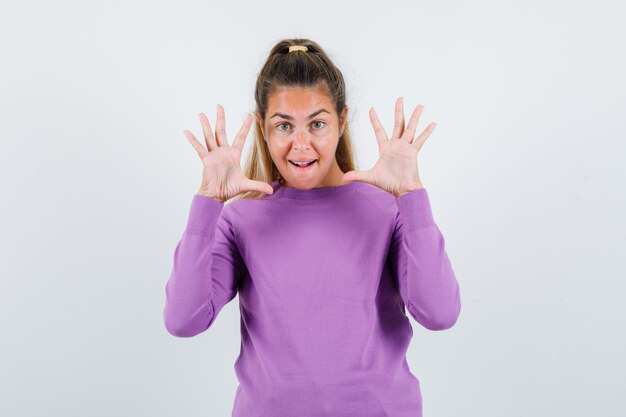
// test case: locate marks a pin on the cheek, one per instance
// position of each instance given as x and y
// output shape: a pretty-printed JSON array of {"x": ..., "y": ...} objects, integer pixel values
[
  {"x": 327, "y": 146},
  {"x": 279, "y": 150}
]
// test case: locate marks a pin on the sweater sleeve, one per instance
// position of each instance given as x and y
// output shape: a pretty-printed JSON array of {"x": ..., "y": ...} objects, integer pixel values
[
  {"x": 206, "y": 271},
  {"x": 424, "y": 274}
]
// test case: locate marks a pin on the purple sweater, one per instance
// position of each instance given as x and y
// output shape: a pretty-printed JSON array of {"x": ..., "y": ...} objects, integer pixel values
[{"x": 323, "y": 277}]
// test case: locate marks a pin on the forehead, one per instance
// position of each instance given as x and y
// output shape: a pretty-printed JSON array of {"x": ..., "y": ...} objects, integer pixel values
[{"x": 299, "y": 101}]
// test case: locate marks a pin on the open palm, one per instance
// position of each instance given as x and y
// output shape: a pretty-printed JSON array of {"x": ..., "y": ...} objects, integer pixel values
[
  {"x": 222, "y": 177},
  {"x": 396, "y": 170}
]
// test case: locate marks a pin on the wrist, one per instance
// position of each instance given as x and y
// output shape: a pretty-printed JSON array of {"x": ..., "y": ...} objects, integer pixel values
[
  {"x": 205, "y": 194},
  {"x": 413, "y": 187}
]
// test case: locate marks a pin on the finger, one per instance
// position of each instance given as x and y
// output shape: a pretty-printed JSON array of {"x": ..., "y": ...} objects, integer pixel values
[
  {"x": 240, "y": 138},
  {"x": 398, "y": 126},
  {"x": 220, "y": 126},
  {"x": 202, "y": 152},
  {"x": 425, "y": 134},
  {"x": 409, "y": 133},
  {"x": 208, "y": 133},
  {"x": 381, "y": 136}
]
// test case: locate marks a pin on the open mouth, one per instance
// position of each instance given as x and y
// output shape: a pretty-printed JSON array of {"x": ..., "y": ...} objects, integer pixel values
[{"x": 302, "y": 165}]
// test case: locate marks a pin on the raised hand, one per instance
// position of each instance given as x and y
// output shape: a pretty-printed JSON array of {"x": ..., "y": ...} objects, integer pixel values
[
  {"x": 222, "y": 177},
  {"x": 396, "y": 170}
]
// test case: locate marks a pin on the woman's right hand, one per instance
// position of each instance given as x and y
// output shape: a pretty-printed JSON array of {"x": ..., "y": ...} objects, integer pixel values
[{"x": 222, "y": 178}]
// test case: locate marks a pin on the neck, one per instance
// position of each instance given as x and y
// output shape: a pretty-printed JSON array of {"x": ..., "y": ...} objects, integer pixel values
[{"x": 333, "y": 178}]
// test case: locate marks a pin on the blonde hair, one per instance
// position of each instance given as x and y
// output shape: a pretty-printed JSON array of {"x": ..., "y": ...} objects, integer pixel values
[{"x": 302, "y": 69}]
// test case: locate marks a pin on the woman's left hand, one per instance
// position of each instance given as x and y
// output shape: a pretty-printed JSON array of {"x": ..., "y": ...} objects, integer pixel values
[{"x": 396, "y": 170}]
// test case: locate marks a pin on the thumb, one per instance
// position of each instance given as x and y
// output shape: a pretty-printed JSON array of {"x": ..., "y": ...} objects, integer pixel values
[
  {"x": 357, "y": 176},
  {"x": 259, "y": 186}
]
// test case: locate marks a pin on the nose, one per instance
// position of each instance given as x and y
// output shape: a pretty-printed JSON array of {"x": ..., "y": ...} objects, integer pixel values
[{"x": 302, "y": 140}]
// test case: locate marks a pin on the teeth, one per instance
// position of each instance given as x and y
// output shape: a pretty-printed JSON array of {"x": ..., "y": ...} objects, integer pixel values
[{"x": 301, "y": 163}]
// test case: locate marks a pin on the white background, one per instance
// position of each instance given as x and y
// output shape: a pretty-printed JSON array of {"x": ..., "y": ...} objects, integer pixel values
[{"x": 524, "y": 171}]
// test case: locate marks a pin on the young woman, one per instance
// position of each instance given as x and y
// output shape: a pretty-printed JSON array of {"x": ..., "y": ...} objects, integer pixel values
[{"x": 325, "y": 258}]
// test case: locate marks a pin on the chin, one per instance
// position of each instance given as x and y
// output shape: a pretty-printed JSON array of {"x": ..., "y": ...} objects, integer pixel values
[
  {"x": 304, "y": 183},
  {"x": 304, "y": 180}
]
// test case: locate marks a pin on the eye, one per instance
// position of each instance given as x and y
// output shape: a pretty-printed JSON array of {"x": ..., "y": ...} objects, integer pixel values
[
  {"x": 282, "y": 124},
  {"x": 316, "y": 123}
]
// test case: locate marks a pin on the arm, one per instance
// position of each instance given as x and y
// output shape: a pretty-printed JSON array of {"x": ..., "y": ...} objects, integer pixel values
[
  {"x": 420, "y": 263},
  {"x": 206, "y": 272}
]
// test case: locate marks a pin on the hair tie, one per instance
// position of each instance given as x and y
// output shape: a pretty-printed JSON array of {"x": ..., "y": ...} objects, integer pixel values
[{"x": 298, "y": 48}]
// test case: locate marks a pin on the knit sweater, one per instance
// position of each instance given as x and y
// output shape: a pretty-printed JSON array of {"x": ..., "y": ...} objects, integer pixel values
[{"x": 324, "y": 277}]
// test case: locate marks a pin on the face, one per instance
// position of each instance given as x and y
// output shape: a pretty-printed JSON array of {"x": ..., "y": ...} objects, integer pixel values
[{"x": 301, "y": 124}]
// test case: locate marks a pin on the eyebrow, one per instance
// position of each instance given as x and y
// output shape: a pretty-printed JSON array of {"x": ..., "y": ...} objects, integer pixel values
[{"x": 286, "y": 116}]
